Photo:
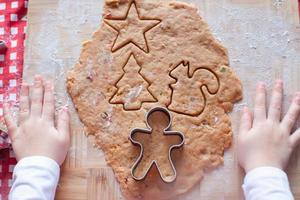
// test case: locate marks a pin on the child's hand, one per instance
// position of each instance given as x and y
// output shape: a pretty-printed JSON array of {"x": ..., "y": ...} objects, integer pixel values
[
  {"x": 265, "y": 139},
  {"x": 36, "y": 134}
]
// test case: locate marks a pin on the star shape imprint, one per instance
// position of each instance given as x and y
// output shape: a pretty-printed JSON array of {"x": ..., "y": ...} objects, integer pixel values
[{"x": 128, "y": 25}]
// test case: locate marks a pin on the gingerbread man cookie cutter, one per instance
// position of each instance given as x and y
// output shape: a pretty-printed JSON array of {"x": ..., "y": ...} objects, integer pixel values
[{"x": 166, "y": 131}]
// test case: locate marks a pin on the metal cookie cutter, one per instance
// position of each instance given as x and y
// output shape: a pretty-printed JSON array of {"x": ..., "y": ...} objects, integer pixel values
[{"x": 166, "y": 131}]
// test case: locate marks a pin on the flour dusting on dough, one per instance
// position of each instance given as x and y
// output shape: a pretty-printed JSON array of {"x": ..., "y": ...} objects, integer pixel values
[{"x": 133, "y": 93}]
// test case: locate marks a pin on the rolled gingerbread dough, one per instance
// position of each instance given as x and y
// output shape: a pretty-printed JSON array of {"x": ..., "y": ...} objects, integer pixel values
[{"x": 147, "y": 54}]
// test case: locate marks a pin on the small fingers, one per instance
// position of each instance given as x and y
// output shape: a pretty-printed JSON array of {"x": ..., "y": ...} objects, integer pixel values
[
  {"x": 37, "y": 96},
  {"x": 11, "y": 125},
  {"x": 63, "y": 124},
  {"x": 293, "y": 113},
  {"x": 260, "y": 103},
  {"x": 246, "y": 121},
  {"x": 48, "y": 106},
  {"x": 24, "y": 103},
  {"x": 276, "y": 101}
]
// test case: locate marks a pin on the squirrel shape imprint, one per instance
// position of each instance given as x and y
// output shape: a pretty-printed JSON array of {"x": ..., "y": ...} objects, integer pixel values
[{"x": 188, "y": 96}]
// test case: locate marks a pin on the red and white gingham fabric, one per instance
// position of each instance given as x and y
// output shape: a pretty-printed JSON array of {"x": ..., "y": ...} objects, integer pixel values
[{"x": 12, "y": 32}]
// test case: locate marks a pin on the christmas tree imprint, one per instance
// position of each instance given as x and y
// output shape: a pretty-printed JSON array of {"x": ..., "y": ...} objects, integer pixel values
[
  {"x": 156, "y": 144},
  {"x": 188, "y": 96},
  {"x": 131, "y": 29},
  {"x": 132, "y": 87}
]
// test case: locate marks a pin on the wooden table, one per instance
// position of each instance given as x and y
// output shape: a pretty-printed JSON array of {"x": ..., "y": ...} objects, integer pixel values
[{"x": 263, "y": 40}]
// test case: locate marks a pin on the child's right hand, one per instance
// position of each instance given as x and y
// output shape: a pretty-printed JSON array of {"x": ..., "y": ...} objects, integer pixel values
[
  {"x": 264, "y": 139},
  {"x": 36, "y": 134}
]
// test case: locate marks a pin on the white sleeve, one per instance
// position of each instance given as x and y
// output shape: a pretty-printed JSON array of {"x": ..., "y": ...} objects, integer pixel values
[
  {"x": 35, "y": 178},
  {"x": 267, "y": 183}
]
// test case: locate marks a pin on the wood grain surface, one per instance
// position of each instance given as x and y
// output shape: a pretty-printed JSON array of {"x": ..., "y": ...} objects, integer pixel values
[{"x": 263, "y": 40}]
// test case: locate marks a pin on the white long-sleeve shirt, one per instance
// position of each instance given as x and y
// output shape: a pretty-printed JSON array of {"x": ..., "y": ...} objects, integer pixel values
[
  {"x": 36, "y": 178},
  {"x": 267, "y": 183}
]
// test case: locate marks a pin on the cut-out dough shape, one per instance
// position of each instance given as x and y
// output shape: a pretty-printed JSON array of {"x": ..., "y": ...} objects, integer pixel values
[
  {"x": 131, "y": 29},
  {"x": 156, "y": 144},
  {"x": 187, "y": 95},
  {"x": 132, "y": 92}
]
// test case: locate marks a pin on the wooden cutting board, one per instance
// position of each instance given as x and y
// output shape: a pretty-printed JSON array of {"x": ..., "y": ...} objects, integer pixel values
[{"x": 263, "y": 40}]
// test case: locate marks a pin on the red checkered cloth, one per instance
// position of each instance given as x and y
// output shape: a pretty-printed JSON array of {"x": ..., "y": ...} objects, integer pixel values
[{"x": 12, "y": 32}]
